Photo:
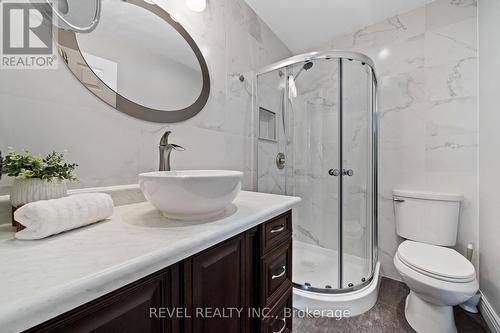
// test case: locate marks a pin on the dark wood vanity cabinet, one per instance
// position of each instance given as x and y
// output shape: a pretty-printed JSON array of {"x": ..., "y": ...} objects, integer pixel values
[
  {"x": 240, "y": 285},
  {"x": 251, "y": 272}
]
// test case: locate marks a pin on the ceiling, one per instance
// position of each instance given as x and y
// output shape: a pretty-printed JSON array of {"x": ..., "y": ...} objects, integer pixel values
[{"x": 306, "y": 24}]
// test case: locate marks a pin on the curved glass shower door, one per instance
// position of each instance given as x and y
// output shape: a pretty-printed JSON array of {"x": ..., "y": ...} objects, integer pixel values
[
  {"x": 357, "y": 180},
  {"x": 319, "y": 114},
  {"x": 313, "y": 109}
]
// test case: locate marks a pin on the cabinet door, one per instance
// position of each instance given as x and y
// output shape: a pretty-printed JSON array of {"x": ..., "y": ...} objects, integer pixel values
[
  {"x": 215, "y": 286},
  {"x": 126, "y": 310}
]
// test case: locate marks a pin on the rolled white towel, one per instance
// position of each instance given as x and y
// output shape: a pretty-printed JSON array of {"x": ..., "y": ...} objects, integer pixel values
[{"x": 49, "y": 217}]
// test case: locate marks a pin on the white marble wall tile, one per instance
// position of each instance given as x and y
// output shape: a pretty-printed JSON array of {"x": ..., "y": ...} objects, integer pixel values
[
  {"x": 391, "y": 31},
  {"x": 451, "y": 43},
  {"x": 401, "y": 92},
  {"x": 270, "y": 180},
  {"x": 457, "y": 79},
  {"x": 450, "y": 150},
  {"x": 239, "y": 118},
  {"x": 270, "y": 96},
  {"x": 241, "y": 44},
  {"x": 451, "y": 136},
  {"x": 447, "y": 12},
  {"x": 398, "y": 58}
]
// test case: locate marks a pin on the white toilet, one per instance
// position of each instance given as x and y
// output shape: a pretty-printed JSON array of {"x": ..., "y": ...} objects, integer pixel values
[{"x": 438, "y": 277}]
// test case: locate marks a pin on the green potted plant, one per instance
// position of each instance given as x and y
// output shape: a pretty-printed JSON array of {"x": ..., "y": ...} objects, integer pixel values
[{"x": 37, "y": 177}]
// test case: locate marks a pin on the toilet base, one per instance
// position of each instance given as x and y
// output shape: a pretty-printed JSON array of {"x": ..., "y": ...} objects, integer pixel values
[{"x": 425, "y": 317}]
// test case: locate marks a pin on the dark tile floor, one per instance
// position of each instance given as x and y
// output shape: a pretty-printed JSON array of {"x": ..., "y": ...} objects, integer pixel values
[{"x": 387, "y": 316}]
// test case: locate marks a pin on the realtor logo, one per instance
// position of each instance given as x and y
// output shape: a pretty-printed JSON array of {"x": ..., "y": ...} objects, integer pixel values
[{"x": 27, "y": 35}]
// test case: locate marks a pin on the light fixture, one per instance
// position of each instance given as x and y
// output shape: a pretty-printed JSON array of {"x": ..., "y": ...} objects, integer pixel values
[{"x": 196, "y": 5}]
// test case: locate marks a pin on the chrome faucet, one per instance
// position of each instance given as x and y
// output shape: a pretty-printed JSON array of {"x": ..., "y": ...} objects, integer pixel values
[{"x": 165, "y": 150}]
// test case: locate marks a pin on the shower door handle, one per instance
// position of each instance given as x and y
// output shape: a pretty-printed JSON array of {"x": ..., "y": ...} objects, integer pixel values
[
  {"x": 334, "y": 172},
  {"x": 347, "y": 172}
]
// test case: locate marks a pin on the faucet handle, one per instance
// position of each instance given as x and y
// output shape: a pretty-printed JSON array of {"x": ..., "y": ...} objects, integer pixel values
[
  {"x": 164, "y": 142},
  {"x": 177, "y": 147}
]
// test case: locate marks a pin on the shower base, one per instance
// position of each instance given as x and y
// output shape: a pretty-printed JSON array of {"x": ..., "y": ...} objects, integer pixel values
[{"x": 318, "y": 267}]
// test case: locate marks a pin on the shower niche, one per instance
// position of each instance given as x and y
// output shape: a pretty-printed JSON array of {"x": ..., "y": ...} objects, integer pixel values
[
  {"x": 267, "y": 124},
  {"x": 326, "y": 126}
]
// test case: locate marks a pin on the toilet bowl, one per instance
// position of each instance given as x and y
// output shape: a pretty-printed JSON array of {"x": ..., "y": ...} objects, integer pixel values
[{"x": 438, "y": 277}]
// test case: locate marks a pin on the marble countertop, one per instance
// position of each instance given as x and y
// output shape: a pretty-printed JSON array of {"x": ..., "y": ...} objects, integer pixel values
[{"x": 42, "y": 279}]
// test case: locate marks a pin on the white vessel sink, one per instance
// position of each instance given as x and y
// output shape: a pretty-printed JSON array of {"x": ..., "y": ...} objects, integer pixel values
[{"x": 191, "y": 194}]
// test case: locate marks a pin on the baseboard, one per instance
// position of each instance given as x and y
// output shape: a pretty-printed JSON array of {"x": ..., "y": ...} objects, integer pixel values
[{"x": 490, "y": 316}]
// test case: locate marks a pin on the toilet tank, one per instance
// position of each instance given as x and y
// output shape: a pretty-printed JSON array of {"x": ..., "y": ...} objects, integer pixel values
[{"x": 427, "y": 217}]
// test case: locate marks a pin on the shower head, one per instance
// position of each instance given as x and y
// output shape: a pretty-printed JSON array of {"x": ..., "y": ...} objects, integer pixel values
[
  {"x": 307, "y": 66},
  {"x": 292, "y": 88}
]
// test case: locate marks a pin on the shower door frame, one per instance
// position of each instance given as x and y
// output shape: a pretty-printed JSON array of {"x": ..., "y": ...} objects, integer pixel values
[{"x": 374, "y": 121}]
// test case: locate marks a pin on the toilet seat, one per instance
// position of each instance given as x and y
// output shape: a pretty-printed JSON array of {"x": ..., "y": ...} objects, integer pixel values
[{"x": 436, "y": 262}]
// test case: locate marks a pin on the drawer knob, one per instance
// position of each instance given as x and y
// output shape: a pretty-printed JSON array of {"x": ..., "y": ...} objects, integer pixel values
[
  {"x": 280, "y": 228},
  {"x": 283, "y": 328},
  {"x": 281, "y": 274}
]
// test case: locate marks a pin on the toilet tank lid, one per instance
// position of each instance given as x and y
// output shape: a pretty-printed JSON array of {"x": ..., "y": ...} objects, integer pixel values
[{"x": 428, "y": 195}]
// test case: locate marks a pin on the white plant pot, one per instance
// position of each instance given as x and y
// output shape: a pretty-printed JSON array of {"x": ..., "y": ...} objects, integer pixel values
[{"x": 34, "y": 189}]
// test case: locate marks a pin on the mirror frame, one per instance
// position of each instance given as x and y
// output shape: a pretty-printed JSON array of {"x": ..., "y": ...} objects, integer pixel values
[{"x": 67, "y": 41}]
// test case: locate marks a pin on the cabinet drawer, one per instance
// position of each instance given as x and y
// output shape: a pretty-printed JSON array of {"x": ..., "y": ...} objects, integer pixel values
[
  {"x": 276, "y": 231},
  {"x": 279, "y": 319},
  {"x": 276, "y": 273}
]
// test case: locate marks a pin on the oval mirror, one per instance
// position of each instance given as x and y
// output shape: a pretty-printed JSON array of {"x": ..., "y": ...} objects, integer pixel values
[{"x": 139, "y": 60}]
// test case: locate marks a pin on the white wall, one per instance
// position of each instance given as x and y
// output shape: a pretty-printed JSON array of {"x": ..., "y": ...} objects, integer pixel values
[
  {"x": 489, "y": 151},
  {"x": 45, "y": 110},
  {"x": 426, "y": 62}
]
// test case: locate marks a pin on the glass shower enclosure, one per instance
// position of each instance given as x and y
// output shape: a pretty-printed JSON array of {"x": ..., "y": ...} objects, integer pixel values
[{"x": 317, "y": 139}]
